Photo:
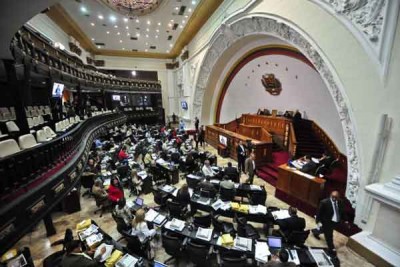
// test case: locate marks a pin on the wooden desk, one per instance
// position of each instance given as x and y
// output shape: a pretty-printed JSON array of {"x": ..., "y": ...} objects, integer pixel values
[{"x": 298, "y": 185}]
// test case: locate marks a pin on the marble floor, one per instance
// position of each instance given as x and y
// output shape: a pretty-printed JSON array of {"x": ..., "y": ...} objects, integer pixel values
[{"x": 40, "y": 245}]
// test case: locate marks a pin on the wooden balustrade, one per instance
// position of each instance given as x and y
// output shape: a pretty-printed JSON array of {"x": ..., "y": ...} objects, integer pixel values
[{"x": 292, "y": 141}]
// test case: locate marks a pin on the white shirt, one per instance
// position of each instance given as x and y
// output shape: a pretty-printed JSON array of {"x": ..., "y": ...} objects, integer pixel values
[
  {"x": 335, "y": 215},
  {"x": 254, "y": 164},
  {"x": 142, "y": 231},
  {"x": 207, "y": 171}
]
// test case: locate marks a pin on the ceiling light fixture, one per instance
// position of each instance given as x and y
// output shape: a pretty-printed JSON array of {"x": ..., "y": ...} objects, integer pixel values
[
  {"x": 128, "y": 34},
  {"x": 170, "y": 45},
  {"x": 156, "y": 36},
  {"x": 157, "y": 30},
  {"x": 137, "y": 20},
  {"x": 138, "y": 35},
  {"x": 127, "y": 27},
  {"x": 147, "y": 36},
  {"x": 146, "y": 50},
  {"x": 118, "y": 33},
  {"x": 100, "y": 17},
  {"x": 147, "y": 43},
  {"x": 181, "y": 26},
  {"x": 83, "y": 9},
  {"x": 186, "y": 16},
  {"x": 190, "y": 10},
  {"x": 147, "y": 30},
  {"x": 159, "y": 24},
  {"x": 133, "y": 73},
  {"x": 115, "y": 26},
  {"x": 120, "y": 41},
  {"x": 92, "y": 39},
  {"x": 183, "y": 21},
  {"x": 123, "y": 48},
  {"x": 167, "y": 51},
  {"x": 193, "y": 2},
  {"x": 177, "y": 8},
  {"x": 125, "y": 19},
  {"x": 169, "y": 24},
  {"x": 92, "y": 24},
  {"x": 148, "y": 22},
  {"x": 113, "y": 18},
  {"x": 108, "y": 32}
]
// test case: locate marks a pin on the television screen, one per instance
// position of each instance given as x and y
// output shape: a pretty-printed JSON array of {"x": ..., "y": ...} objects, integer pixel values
[
  {"x": 116, "y": 97},
  {"x": 184, "y": 105},
  {"x": 58, "y": 89},
  {"x": 223, "y": 140}
]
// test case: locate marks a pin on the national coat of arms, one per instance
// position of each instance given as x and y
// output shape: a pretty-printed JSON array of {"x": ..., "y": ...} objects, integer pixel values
[{"x": 272, "y": 85}]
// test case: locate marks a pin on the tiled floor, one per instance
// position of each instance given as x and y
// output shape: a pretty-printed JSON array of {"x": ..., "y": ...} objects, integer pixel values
[{"x": 40, "y": 244}]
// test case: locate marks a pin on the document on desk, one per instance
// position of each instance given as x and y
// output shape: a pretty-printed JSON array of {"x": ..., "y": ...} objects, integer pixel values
[
  {"x": 142, "y": 174},
  {"x": 160, "y": 161},
  {"x": 321, "y": 258},
  {"x": 168, "y": 188},
  {"x": 107, "y": 254},
  {"x": 255, "y": 187},
  {"x": 315, "y": 160},
  {"x": 293, "y": 256},
  {"x": 88, "y": 232},
  {"x": 159, "y": 219},
  {"x": 262, "y": 252},
  {"x": 217, "y": 204},
  {"x": 242, "y": 243},
  {"x": 151, "y": 215},
  {"x": 175, "y": 224},
  {"x": 204, "y": 200},
  {"x": 204, "y": 233},
  {"x": 280, "y": 214},
  {"x": 94, "y": 239},
  {"x": 192, "y": 176},
  {"x": 107, "y": 182},
  {"x": 127, "y": 261},
  {"x": 258, "y": 209},
  {"x": 214, "y": 181},
  {"x": 237, "y": 185}
]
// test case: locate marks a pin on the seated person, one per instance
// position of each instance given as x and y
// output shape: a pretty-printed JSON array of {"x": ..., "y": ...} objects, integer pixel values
[
  {"x": 91, "y": 167},
  {"x": 287, "y": 114},
  {"x": 326, "y": 159},
  {"x": 99, "y": 191},
  {"x": 189, "y": 162},
  {"x": 115, "y": 191},
  {"x": 206, "y": 185},
  {"x": 183, "y": 196},
  {"x": 147, "y": 158},
  {"x": 207, "y": 170},
  {"x": 293, "y": 223},
  {"x": 309, "y": 165},
  {"x": 122, "y": 155},
  {"x": 74, "y": 257},
  {"x": 227, "y": 183},
  {"x": 122, "y": 211},
  {"x": 98, "y": 143},
  {"x": 136, "y": 181},
  {"x": 175, "y": 157},
  {"x": 280, "y": 260},
  {"x": 140, "y": 228},
  {"x": 231, "y": 172}
]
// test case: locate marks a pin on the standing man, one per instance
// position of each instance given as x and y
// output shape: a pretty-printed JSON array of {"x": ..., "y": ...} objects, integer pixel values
[
  {"x": 250, "y": 168},
  {"x": 196, "y": 123},
  {"x": 330, "y": 214},
  {"x": 241, "y": 155},
  {"x": 201, "y": 136}
]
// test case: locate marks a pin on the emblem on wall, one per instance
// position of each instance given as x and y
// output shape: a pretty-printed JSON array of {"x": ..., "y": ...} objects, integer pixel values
[{"x": 272, "y": 85}]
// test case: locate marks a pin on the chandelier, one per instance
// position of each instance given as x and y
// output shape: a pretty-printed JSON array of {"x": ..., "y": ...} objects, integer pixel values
[{"x": 133, "y": 8}]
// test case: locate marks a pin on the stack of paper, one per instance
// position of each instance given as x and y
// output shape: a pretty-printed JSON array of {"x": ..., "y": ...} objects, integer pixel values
[
  {"x": 94, "y": 239},
  {"x": 226, "y": 240},
  {"x": 175, "y": 224},
  {"x": 204, "y": 233},
  {"x": 150, "y": 215},
  {"x": 242, "y": 243},
  {"x": 88, "y": 232},
  {"x": 258, "y": 209},
  {"x": 168, "y": 188},
  {"x": 321, "y": 258},
  {"x": 159, "y": 219},
  {"x": 217, "y": 204},
  {"x": 255, "y": 187},
  {"x": 293, "y": 256},
  {"x": 280, "y": 214},
  {"x": 262, "y": 252},
  {"x": 127, "y": 261},
  {"x": 104, "y": 257}
]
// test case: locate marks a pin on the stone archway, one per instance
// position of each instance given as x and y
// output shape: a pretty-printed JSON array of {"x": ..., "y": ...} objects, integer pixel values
[{"x": 229, "y": 33}]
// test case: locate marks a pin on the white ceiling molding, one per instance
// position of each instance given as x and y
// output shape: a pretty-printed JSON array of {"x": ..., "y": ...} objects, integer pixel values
[{"x": 372, "y": 22}]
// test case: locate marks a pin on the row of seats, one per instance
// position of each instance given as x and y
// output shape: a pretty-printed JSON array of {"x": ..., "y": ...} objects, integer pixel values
[
  {"x": 95, "y": 113},
  {"x": 34, "y": 111},
  {"x": 65, "y": 124},
  {"x": 10, "y": 146},
  {"x": 7, "y": 114},
  {"x": 35, "y": 122},
  {"x": 138, "y": 108}
]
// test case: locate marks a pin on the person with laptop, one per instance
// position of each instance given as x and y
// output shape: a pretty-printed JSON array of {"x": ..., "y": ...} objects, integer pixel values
[{"x": 281, "y": 259}]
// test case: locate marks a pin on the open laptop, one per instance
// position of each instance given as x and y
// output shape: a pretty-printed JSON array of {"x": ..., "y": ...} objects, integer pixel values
[
  {"x": 138, "y": 204},
  {"x": 274, "y": 243},
  {"x": 159, "y": 264}
]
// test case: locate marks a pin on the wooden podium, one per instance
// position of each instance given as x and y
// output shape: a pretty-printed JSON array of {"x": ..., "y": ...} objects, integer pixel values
[
  {"x": 223, "y": 151},
  {"x": 301, "y": 186}
]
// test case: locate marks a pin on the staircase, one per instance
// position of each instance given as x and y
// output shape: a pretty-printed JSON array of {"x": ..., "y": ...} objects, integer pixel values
[
  {"x": 307, "y": 142},
  {"x": 269, "y": 172}
]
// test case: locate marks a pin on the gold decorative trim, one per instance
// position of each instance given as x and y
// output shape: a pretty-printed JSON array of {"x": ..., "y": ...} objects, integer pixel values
[{"x": 200, "y": 15}]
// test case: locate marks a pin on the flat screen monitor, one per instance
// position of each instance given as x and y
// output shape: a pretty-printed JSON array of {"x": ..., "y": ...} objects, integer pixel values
[
  {"x": 223, "y": 140},
  {"x": 159, "y": 264},
  {"x": 184, "y": 105},
  {"x": 116, "y": 97},
  {"x": 58, "y": 89},
  {"x": 274, "y": 242},
  {"x": 139, "y": 201}
]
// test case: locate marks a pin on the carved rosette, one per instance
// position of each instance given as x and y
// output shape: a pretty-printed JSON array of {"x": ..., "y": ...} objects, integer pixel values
[{"x": 228, "y": 34}]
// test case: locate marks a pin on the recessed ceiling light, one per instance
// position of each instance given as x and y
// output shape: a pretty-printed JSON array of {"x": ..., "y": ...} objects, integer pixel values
[
  {"x": 113, "y": 18},
  {"x": 146, "y": 50},
  {"x": 138, "y": 35},
  {"x": 193, "y": 2},
  {"x": 157, "y": 30},
  {"x": 172, "y": 20},
  {"x": 137, "y": 20},
  {"x": 98, "y": 47},
  {"x": 108, "y": 32},
  {"x": 169, "y": 24},
  {"x": 177, "y": 8},
  {"x": 147, "y": 43},
  {"x": 127, "y": 27},
  {"x": 128, "y": 34},
  {"x": 92, "y": 39},
  {"x": 133, "y": 73},
  {"x": 125, "y": 19},
  {"x": 83, "y": 9},
  {"x": 186, "y": 16},
  {"x": 181, "y": 26},
  {"x": 183, "y": 21},
  {"x": 123, "y": 48},
  {"x": 159, "y": 24},
  {"x": 148, "y": 22},
  {"x": 147, "y": 36},
  {"x": 170, "y": 45},
  {"x": 120, "y": 41},
  {"x": 147, "y": 30},
  {"x": 118, "y": 33},
  {"x": 115, "y": 26},
  {"x": 190, "y": 10},
  {"x": 92, "y": 24},
  {"x": 156, "y": 36},
  {"x": 167, "y": 51},
  {"x": 100, "y": 16}
]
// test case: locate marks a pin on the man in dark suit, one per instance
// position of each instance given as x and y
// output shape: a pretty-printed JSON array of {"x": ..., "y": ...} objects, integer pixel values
[
  {"x": 74, "y": 257},
  {"x": 232, "y": 173},
  {"x": 309, "y": 166},
  {"x": 250, "y": 167},
  {"x": 293, "y": 223},
  {"x": 330, "y": 213},
  {"x": 241, "y": 156}
]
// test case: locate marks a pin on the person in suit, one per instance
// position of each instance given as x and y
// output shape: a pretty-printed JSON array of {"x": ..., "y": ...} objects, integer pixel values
[
  {"x": 293, "y": 223},
  {"x": 309, "y": 165},
  {"x": 226, "y": 183},
  {"x": 330, "y": 213},
  {"x": 280, "y": 260},
  {"x": 207, "y": 186},
  {"x": 232, "y": 172},
  {"x": 183, "y": 195},
  {"x": 241, "y": 156},
  {"x": 74, "y": 257},
  {"x": 196, "y": 123},
  {"x": 250, "y": 168},
  {"x": 201, "y": 136}
]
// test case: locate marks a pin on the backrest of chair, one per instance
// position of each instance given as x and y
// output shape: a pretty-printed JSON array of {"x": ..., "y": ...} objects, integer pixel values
[
  {"x": 40, "y": 119},
  {"x": 30, "y": 123},
  {"x": 258, "y": 197},
  {"x": 227, "y": 194},
  {"x": 48, "y": 131},
  {"x": 171, "y": 243},
  {"x": 8, "y": 147},
  {"x": 35, "y": 121},
  {"x": 202, "y": 221},
  {"x": 234, "y": 261},
  {"x": 12, "y": 127},
  {"x": 121, "y": 225},
  {"x": 298, "y": 238},
  {"x": 26, "y": 141},
  {"x": 198, "y": 252},
  {"x": 191, "y": 182},
  {"x": 41, "y": 136},
  {"x": 174, "y": 209}
]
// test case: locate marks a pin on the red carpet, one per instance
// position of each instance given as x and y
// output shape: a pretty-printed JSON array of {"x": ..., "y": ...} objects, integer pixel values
[{"x": 269, "y": 172}]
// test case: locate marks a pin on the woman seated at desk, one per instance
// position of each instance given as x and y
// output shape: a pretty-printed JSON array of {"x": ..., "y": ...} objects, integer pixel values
[
  {"x": 115, "y": 191},
  {"x": 140, "y": 228},
  {"x": 98, "y": 191},
  {"x": 136, "y": 182}
]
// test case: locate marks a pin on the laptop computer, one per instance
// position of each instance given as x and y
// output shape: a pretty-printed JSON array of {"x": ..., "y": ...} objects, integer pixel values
[
  {"x": 274, "y": 243},
  {"x": 159, "y": 264},
  {"x": 138, "y": 204}
]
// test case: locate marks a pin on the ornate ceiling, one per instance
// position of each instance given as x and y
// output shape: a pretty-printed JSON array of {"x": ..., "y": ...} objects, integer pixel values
[{"x": 133, "y": 8}]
